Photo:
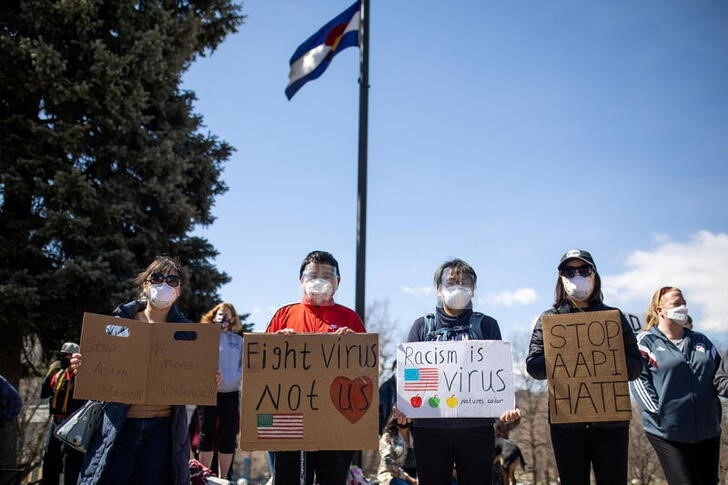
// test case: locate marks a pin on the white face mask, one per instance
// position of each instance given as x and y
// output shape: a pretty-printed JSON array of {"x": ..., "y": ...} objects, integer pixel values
[
  {"x": 318, "y": 290},
  {"x": 578, "y": 287},
  {"x": 678, "y": 314},
  {"x": 162, "y": 295},
  {"x": 456, "y": 297},
  {"x": 222, "y": 320}
]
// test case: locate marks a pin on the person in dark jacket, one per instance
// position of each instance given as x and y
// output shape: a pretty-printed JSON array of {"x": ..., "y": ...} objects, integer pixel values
[
  {"x": 387, "y": 398},
  {"x": 721, "y": 377},
  {"x": 143, "y": 443},
  {"x": 58, "y": 387},
  {"x": 466, "y": 444},
  {"x": 677, "y": 392},
  {"x": 578, "y": 447},
  {"x": 10, "y": 402}
]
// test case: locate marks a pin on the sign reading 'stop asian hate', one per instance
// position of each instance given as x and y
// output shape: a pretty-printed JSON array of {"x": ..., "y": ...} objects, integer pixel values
[
  {"x": 586, "y": 367},
  {"x": 136, "y": 362}
]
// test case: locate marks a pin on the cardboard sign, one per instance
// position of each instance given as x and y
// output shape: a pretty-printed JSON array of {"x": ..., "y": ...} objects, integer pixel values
[
  {"x": 586, "y": 367},
  {"x": 455, "y": 379},
  {"x": 310, "y": 392},
  {"x": 147, "y": 363}
]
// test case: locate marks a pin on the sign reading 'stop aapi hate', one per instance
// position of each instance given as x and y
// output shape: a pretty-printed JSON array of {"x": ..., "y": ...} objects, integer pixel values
[
  {"x": 310, "y": 392},
  {"x": 137, "y": 362},
  {"x": 586, "y": 367},
  {"x": 455, "y": 379}
]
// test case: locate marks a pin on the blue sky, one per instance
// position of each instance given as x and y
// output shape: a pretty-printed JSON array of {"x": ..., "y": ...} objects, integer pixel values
[{"x": 503, "y": 133}]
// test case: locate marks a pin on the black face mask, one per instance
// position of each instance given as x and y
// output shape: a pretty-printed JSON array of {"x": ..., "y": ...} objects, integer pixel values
[
  {"x": 404, "y": 426},
  {"x": 65, "y": 361}
]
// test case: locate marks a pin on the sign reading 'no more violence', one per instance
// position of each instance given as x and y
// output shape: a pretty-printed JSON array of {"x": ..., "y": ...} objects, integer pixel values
[
  {"x": 455, "y": 379},
  {"x": 586, "y": 367},
  {"x": 309, "y": 392}
]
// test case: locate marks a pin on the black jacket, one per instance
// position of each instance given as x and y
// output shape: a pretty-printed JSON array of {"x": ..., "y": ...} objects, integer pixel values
[
  {"x": 721, "y": 377},
  {"x": 536, "y": 361}
]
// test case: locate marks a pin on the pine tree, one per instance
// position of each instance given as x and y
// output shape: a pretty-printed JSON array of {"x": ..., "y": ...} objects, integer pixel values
[{"x": 103, "y": 162}]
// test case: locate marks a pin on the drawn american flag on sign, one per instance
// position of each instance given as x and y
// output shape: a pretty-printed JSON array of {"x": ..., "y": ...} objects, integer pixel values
[
  {"x": 280, "y": 426},
  {"x": 421, "y": 379}
]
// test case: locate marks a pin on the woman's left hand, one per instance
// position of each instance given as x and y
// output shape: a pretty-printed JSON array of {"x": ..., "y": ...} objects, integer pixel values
[
  {"x": 511, "y": 415},
  {"x": 218, "y": 378},
  {"x": 343, "y": 330}
]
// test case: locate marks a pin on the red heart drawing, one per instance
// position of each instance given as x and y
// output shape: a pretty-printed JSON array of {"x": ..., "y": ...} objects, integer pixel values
[{"x": 352, "y": 397}]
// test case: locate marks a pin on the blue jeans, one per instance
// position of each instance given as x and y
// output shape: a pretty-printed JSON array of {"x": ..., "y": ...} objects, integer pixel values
[{"x": 141, "y": 453}]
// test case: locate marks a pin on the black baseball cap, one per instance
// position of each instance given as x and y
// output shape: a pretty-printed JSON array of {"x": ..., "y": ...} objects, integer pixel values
[{"x": 577, "y": 254}]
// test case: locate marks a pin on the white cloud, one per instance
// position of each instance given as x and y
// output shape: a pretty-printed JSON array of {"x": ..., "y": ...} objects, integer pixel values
[
  {"x": 699, "y": 267},
  {"x": 521, "y": 296},
  {"x": 419, "y": 290}
]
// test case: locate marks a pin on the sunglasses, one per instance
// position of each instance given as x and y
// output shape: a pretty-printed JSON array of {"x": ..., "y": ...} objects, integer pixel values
[
  {"x": 157, "y": 278},
  {"x": 570, "y": 272}
]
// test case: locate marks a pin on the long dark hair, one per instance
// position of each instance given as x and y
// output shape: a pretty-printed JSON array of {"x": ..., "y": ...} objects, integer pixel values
[{"x": 162, "y": 264}]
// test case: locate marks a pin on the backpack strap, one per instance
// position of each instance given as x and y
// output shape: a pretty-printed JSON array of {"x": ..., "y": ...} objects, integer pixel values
[
  {"x": 428, "y": 331},
  {"x": 476, "y": 326},
  {"x": 473, "y": 328}
]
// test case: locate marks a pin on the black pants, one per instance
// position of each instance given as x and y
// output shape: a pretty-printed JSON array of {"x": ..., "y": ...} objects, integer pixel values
[
  {"x": 577, "y": 448},
  {"x": 470, "y": 450},
  {"x": 331, "y": 467},
  {"x": 221, "y": 421},
  {"x": 688, "y": 463}
]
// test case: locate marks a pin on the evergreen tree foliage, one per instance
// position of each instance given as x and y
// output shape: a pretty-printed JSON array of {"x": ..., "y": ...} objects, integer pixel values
[{"x": 103, "y": 162}]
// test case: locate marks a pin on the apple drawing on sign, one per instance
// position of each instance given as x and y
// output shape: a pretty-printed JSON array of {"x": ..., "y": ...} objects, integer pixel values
[
  {"x": 416, "y": 401},
  {"x": 452, "y": 401},
  {"x": 433, "y": 401}
]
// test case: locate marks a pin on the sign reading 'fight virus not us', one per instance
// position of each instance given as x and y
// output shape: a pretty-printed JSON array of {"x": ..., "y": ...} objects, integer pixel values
[
  {"x": 310, "y": 392},
  {"x": 455, "y": 379}
]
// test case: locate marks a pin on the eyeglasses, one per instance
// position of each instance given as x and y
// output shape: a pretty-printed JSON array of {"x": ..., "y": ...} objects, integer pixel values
[
  {"x": 467, "y": 282},
  {"x": 157, "y": 278},
  {"x": 570, "y": 272}
]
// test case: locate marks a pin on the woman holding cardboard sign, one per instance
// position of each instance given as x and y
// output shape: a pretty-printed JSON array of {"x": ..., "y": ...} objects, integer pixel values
[
  {"x": 578, "y": 447},
  {"x": 143, "y": 443},
  {"x": 681, "y": 411}
]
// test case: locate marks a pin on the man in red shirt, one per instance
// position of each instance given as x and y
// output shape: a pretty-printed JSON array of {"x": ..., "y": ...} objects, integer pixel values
[{"x": 317, "y": 313}]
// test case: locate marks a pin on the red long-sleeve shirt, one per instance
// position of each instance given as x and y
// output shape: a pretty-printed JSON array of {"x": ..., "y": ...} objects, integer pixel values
[{"x": 305, "y": 318}]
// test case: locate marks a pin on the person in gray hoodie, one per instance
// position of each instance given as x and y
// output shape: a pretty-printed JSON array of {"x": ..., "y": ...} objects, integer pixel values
[{"x": 677, "y": 392}]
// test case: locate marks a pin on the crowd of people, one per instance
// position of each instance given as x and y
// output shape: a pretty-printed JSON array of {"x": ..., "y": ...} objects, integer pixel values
[{"x": 676, "y": 375}]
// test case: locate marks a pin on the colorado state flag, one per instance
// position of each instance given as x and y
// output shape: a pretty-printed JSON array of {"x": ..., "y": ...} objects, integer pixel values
[{"x": 313, "y": 56}]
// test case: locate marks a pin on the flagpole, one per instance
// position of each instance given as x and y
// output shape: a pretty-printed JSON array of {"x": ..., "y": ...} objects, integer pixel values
[{"x": 361, "y": 207}]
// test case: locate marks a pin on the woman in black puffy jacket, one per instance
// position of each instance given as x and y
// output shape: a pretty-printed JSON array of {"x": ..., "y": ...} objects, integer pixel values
[{"x": 580, "y": 446}]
